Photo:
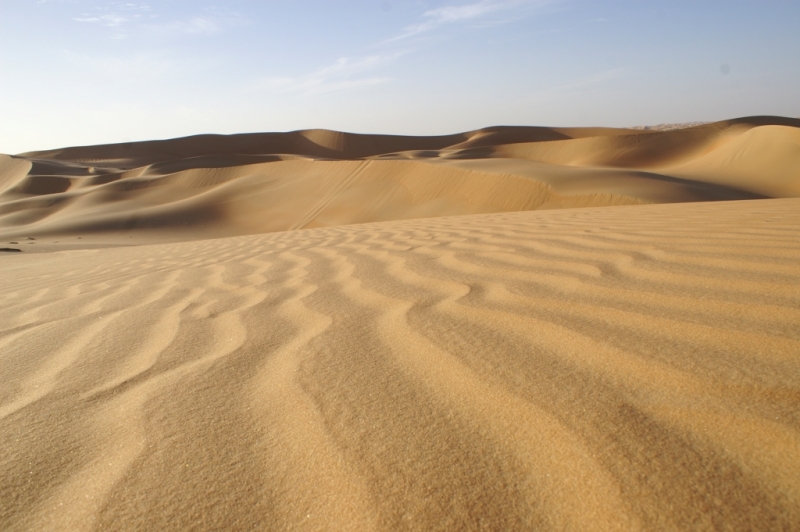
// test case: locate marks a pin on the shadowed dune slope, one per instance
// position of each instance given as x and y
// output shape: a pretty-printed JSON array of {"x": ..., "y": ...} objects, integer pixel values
[
  {"x": 623, "y": 368},
  {"x": 252, "y": 183}
]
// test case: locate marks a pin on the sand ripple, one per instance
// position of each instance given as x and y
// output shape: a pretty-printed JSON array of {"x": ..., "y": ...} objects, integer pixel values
[{"x": 619, "y": 368}]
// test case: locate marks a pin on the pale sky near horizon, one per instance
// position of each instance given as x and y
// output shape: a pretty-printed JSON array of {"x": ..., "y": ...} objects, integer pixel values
[{"x": 77, "y": 72}]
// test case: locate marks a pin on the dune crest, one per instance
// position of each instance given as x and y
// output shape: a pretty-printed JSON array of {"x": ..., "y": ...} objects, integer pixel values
[{"x": 262, "y": 182}]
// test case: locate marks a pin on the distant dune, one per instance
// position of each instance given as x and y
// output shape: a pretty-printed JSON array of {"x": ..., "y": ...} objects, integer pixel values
[
  {"x": 507, "y": 329},
  {"x": 214, "y": 186}
]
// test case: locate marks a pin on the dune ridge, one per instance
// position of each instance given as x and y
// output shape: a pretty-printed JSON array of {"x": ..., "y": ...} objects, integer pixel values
[
  {"x": 262, "y": 182},
  {"x": 626, "y": 368}
]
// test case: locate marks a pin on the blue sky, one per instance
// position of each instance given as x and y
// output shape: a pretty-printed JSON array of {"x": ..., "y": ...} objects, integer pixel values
[{"x": 76, "y": 72}]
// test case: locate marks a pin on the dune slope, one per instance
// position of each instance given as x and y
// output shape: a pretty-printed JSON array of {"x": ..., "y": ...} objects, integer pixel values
[
  {"x": 218, "y": 185},
  {"x": 630, "y": 367}
]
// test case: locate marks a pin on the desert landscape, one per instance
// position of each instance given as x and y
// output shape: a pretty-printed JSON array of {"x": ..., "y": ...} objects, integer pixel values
[{"x": 513, "y": 328}]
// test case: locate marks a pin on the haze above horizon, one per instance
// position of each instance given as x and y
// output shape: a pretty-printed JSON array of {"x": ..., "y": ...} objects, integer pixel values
[{"x": 77, "y": 72}]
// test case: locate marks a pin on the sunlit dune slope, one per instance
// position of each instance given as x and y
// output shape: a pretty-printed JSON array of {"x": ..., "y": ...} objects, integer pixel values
[
  {"x": 252, "y": 183},
  {"x": 764, "y": 160},
  {"x": 617, "y": 368},
  {"x": 13, "y": 171}
]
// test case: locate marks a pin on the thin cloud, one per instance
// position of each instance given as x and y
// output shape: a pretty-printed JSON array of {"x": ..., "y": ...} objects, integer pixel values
[
  {"x": 110, "y": 20},
  {"x": 344, "y": 74},
  {"x": 123, "y": 18},
  {"x": 453, "y": 14},
  {"x": 193, "y": 26},
  {"x": 117, "y": 16},
  {"x": 210, "y": 22}
]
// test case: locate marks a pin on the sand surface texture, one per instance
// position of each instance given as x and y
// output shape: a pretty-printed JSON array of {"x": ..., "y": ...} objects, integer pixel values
[{"x": 631, "y": 367}]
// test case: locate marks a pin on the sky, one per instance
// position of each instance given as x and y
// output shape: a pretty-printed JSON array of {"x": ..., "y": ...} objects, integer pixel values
[{"x": 80, "y": 72}]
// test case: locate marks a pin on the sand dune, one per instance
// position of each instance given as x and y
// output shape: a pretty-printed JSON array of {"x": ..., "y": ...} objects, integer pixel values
[
  {"x": 505, "y": 329},
  {"x": 255, "y": 183},
  {"x": 628, "y": 367}
]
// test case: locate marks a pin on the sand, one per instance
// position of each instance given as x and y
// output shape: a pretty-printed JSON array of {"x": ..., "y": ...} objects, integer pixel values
[
  {"x": 477, "y": 356},
  {"x": 214, "y": 186}
]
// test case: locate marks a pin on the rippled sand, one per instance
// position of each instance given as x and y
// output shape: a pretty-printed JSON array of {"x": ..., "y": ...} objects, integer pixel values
[{"x": 633, "y": 367}]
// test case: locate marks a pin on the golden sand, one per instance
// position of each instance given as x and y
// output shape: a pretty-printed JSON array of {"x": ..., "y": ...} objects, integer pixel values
[{"x": 618, "y": 368}]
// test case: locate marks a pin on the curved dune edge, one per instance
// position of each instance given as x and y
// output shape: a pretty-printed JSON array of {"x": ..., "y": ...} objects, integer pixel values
[
  {"x": 629, "y": 367},
  {"x": 275, "y": 196},
  {"x": 214, "y": 185}
]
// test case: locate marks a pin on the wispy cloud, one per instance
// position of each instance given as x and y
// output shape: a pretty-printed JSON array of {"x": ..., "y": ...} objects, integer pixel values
[
  {"x": 200, "y": 25},
  {"x": 211, "y": 21},
  {"x": 347, "y": 73},
  {"x": 343, "y": 75},
  {"x": 475, "y": 12},
  {"x": 115, "y": 14},
  {"x": 110, "y": 20},
  {"x": 124, "y": 17}
]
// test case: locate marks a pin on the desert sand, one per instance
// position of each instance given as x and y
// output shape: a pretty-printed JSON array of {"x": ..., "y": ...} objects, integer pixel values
[{"x": 506, "y": 329}]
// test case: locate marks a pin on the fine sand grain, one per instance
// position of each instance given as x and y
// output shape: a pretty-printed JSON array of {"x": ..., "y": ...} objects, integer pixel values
[{"x": 492, "y": 351}]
